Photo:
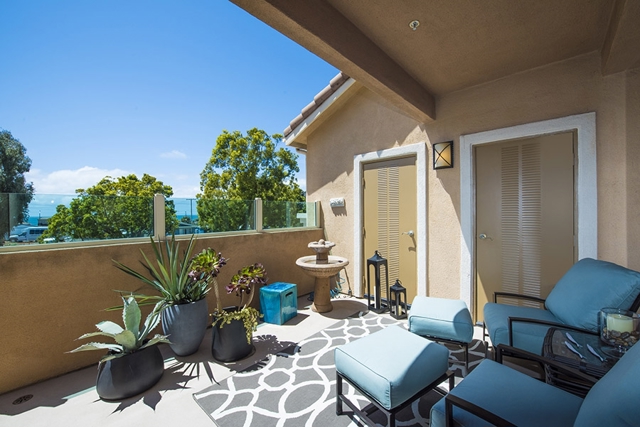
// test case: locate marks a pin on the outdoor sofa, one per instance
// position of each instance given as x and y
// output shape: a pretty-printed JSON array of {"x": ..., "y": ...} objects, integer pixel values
[
  {"x": 574, "y": 303},
  {"x": 495, "y": 394}
]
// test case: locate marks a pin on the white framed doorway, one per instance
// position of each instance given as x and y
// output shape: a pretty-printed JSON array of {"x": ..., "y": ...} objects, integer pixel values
[
  {"x": 586, "y": 187},
  {"x": 419, "y": 151}
]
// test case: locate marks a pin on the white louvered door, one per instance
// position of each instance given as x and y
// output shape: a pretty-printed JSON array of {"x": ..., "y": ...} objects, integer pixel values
[
  {"x": 524, "y": 216},
  {"x": 390, "y": 219}
]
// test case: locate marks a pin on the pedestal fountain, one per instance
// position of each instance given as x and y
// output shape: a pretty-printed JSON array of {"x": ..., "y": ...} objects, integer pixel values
[{"x": 322, "y": 266}]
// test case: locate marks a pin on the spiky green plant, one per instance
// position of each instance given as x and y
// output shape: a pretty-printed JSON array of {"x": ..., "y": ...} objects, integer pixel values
[
  {"x": 127, "y": 339},
  {"x": 169, "y": 274}
]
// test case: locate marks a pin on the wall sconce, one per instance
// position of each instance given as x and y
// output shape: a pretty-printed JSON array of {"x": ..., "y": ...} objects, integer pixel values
[{"x": 443, "y": 155}]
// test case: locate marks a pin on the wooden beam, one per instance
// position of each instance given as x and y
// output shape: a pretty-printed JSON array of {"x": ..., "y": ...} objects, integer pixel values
[
  {"x": 621, "y": 50},
  {"x": 320, "y": 28}
]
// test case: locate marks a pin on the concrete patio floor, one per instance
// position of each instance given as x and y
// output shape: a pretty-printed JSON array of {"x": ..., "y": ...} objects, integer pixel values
[{"x": 71, "y": 399}]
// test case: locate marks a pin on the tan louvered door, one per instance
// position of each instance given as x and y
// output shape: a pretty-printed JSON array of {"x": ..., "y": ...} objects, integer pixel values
[
  {"x": 524, "y": 216},
  {"x": 390, "y": 218}
]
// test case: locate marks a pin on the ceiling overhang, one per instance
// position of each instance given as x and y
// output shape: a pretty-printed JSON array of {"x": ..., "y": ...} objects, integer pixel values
[
  {"x": 319, "y": 27},
  {"x": 458, "y": 44}
]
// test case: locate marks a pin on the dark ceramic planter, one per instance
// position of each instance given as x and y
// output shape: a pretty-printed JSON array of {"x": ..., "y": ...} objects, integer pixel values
[
  {"x": 229, "y": 343},
  {"x": 185, "y": 324},
  {"x": 129, "y": 375}
]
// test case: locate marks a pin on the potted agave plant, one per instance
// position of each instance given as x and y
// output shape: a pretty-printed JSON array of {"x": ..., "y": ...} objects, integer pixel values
[
  {"x": 233, "y": 327},
  {"x": 183, "y": 281},
  {"x": 133, "y": 363}
]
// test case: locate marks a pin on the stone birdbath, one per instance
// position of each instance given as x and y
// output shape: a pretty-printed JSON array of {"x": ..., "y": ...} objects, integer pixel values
[{"x": 322, "y": 266}]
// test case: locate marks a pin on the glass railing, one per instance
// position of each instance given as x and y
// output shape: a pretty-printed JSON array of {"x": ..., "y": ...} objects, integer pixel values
[
  {"x": 288, "y": 214},
  {"x": 46, "y": 218}
]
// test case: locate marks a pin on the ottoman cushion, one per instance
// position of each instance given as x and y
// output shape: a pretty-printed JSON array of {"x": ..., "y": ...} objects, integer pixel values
[
  {"x": 391, "y": 365},
  {"x": 441, "y": 318}
]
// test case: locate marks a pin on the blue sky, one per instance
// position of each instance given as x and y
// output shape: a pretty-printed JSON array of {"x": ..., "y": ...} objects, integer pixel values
[{"x": 97, "y": 88}]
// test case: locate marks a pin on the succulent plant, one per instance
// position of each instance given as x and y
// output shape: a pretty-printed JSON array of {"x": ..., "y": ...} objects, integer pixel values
[
  {"x": 244, "y": 285},
  {"x": 127, "y": 339}
]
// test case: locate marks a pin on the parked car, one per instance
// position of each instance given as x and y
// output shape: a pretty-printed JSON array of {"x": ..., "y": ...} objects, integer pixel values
[
  {"x": 29, "y": 234},
  {"x": 13, "y": 235}
]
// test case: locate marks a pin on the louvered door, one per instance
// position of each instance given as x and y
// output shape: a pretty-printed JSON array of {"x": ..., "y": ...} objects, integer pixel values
[
  {"x": 524, "y": 216},
  {"x": 390, "y": 218}
]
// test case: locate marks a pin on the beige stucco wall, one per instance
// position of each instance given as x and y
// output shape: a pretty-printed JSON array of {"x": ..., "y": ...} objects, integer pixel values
[
  {"x": 367, "y": 123},
  {"x": 51, "y": 297}
]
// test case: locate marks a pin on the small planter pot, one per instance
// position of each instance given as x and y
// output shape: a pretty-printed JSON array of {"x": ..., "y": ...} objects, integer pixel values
[
  {"x": 229, "y": 342},
  {"x": 185, "y": 324},
  {"x": 129, "y": 375}
]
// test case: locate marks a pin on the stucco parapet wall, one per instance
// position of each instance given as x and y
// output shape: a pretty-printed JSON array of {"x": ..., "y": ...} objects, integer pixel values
[
  {"x": 318, "y": 100},
  {"x": 51, "y": 297}
]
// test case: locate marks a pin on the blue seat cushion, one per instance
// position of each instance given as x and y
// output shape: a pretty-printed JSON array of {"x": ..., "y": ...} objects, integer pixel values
[
  {"x": 588, "y": 286},
  {"x": 512, "y": 395},
  {"x": 441, "y": 318},
  {"x": 613, "y": 400},
  {"x": 526, "y": 336},
  {"x": 391, "y": 365}
]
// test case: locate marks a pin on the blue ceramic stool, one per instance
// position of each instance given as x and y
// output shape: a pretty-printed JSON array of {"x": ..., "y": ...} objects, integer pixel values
[{"x": 279, "y": 302}]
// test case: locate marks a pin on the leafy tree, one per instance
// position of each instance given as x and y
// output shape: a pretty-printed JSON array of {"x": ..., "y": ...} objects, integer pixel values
[
  {"x": 15, "y": 191},
  {"x": 113, "y": 208},
  {"x": 242, "y": 168}
]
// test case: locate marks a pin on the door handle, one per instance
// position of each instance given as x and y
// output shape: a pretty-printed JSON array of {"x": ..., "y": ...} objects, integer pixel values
[
  {"x": 410, "y": 233},
  {"x": 484, "y": 237}
]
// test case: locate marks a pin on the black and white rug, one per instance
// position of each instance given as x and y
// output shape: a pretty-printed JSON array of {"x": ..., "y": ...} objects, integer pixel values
[{"x": 296, "y": 387}]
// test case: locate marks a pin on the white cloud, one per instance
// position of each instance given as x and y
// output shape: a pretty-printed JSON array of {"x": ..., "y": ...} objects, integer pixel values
[
  {"x": 302, "y": 182},
  {"x": 175, "y": 154},
  {"x": 68, "y": 181},
  {"x": 185, "y": 191}
]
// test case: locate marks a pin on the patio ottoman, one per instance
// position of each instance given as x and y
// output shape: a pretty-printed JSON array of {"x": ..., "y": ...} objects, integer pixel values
[
  {"x": 443, "y": 320},
  {"x": 392, "y": 368}
]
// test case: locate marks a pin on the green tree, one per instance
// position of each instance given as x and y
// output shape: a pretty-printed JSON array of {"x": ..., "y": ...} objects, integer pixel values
[
  {"x": 242, "y": 168},
  {"x": 113, "y": 208},
  {"x": 15, "y": 191}
]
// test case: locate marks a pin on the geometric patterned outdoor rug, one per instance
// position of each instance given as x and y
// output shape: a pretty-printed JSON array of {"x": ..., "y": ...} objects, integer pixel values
[{"x": 296, "y": 387}]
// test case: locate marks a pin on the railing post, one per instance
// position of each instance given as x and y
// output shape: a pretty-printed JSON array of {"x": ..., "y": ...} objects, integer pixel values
[
  {"x": 316, "y": 214},
  {"x": 159, "y": 225},
  {"x": 258, "y": 213}
]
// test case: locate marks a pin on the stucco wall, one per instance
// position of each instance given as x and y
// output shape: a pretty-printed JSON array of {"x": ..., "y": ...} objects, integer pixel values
[
  {"x": 51, "y": 297},
  {"x": 632, "y": 122},
  {"x": 367, "y": 123}
]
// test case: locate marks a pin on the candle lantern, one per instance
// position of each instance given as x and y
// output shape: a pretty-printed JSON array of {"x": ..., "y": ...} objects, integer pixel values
[
  {"x": 619, "y": 330},
  {"x": 376, "y": 261},
  {"x": 398, "y": 300}
]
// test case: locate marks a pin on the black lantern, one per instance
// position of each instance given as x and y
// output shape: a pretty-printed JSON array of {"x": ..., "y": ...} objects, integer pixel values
[
  {"x": 376, "y": 261},
  {"x": 398, "y": 301}
]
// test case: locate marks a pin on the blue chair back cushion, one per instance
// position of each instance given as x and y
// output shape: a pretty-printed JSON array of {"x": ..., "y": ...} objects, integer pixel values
[
  {"x": 615, "y": 399},
  {"x": 588, "y": 286}
]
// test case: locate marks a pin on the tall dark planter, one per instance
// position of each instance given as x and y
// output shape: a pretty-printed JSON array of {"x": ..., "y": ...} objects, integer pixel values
[
  {"x": 129, "y": 375},
  {"x": 229, "y": 342},
  {"x": 185, "y": 324}
]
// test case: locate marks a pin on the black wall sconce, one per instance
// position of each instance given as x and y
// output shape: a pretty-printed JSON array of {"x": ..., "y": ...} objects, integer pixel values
[{"x": 443, "y": 155}]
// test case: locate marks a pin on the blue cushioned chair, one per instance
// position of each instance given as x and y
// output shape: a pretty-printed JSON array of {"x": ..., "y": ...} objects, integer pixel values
[
  {"x": 494, "y": 394},
  {"x": 574, "y": 303}
]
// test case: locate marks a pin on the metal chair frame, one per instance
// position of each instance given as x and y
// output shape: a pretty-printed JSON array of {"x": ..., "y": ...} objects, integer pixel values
[{"x": 364, "y": 413}]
